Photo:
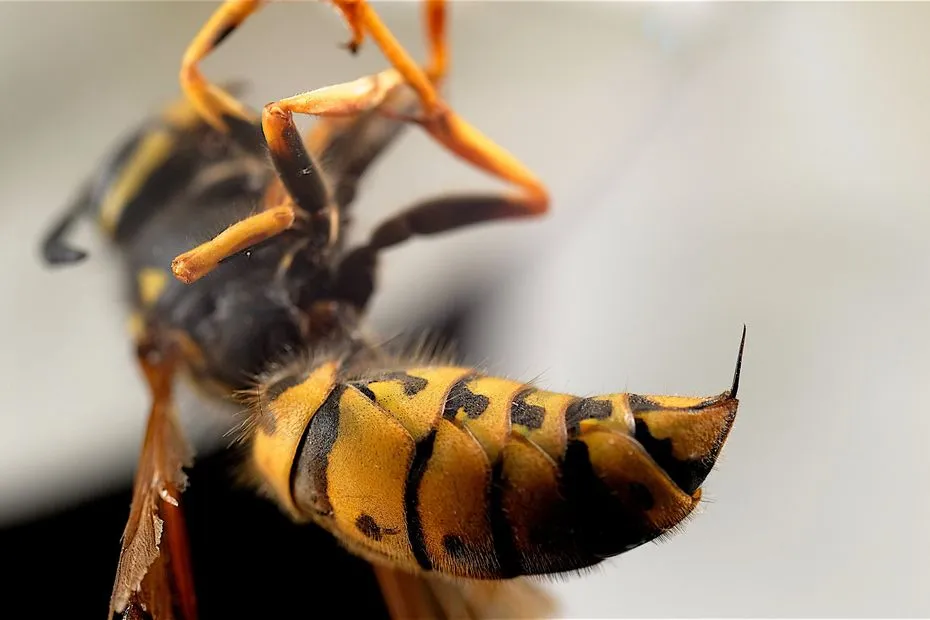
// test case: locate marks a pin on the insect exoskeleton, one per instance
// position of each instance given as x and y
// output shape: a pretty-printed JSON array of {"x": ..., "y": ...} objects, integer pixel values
[{"x": 442, "y": 468}]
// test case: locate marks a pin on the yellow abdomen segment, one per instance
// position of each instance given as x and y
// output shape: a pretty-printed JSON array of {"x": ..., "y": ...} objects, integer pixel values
[{"x": 444, "y": 469}]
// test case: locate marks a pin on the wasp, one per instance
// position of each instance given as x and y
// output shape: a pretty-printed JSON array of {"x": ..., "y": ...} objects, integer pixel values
[{"x": 448, "y": 480}]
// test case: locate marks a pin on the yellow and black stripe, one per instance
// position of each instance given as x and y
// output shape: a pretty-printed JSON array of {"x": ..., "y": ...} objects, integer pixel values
[{"x": 442, "y": 468}]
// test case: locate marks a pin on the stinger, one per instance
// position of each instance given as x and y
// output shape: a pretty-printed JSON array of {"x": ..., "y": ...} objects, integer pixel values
[{"x": 739, "y": 365}]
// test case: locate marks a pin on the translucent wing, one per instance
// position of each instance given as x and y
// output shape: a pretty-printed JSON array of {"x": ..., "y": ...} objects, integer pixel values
[
  {"x": 416, "y": 596},
  {"x": 153, "y": 574}
]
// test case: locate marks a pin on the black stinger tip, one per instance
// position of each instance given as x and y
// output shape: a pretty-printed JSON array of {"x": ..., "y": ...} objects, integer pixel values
[{"x": 739, "y": 364}]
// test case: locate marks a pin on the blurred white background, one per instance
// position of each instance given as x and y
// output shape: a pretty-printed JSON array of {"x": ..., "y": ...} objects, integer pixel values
[{"x": 710, "y": 164}]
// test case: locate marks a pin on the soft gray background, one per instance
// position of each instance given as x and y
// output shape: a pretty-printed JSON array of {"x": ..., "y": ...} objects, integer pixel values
[{"x": 710, "y": 164}]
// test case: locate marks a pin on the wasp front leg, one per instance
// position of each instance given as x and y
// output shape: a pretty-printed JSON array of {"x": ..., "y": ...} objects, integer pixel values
[{"x": 154, "y": 572}]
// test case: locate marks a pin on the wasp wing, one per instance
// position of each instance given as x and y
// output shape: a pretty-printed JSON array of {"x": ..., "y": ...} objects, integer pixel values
[
  {"x": 153, "y": 569},
  {"x": 417, "y": 596}
]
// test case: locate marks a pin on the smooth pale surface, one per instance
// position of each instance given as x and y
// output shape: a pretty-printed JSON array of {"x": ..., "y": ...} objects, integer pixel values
[{"x": 710, "y": 165}]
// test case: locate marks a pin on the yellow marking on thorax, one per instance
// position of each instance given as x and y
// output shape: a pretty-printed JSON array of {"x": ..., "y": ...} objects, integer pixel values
[
  {"x": 274, "y": 452},
  {"x": 418, "y": 413},
  {"x": 151, "y": 152},
  {"x": 151, "y": 282},
  {"x": 492, "y": 426},
  {"x": 366, "y": 475},
  {"x": 551, "y": 436}
]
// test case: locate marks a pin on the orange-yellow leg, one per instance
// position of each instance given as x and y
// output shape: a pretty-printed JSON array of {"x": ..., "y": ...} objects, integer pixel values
[
  {"x": 307, "y": 191},
  {"x": 217, "y": 106},
  {"x": 438, "y": 119},
  {"x": 213, "y": 103},
  {"x": 436, "y": 39},
  {"x": 292, "y": 161},
  {"x": 321, "y": 133},
  {"x": 344, "y": 101},
  {"x": 194, "y": 264}
]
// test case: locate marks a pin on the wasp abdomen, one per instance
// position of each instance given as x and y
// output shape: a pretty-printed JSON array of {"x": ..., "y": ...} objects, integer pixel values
[{"x": 445, "y": 469}]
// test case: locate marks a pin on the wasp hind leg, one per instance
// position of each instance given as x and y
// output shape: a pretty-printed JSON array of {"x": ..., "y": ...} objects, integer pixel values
[{"x": 154, "y": 571}]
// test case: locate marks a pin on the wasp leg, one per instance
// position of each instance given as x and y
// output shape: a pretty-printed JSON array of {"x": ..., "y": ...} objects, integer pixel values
[
  {"x": 436, "y": 39},
  {"x": 328, "y": 130},
  {"x": 356, "y": 273},
  {"x": 296, "y": 171},
  {"x": 55, "y": 249},
  {"x": 352, "y": 147},
  {"x": 346, "y": 145},
  {"x": 288, "y": 153},
  {"x": 347, "y": 138},
  {"x": 213, "y": 103},
  {"x": 194, "y": 264},
  {"x": 438, "y": 119},
  {"x": 154, "y": 570}
]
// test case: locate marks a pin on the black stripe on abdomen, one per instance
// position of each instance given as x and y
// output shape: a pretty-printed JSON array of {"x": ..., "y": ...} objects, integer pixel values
[
  {"x": 421, "y": 456},
  {"x": 508, "y": 557},
  {"x": 313, "y": 456}
]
